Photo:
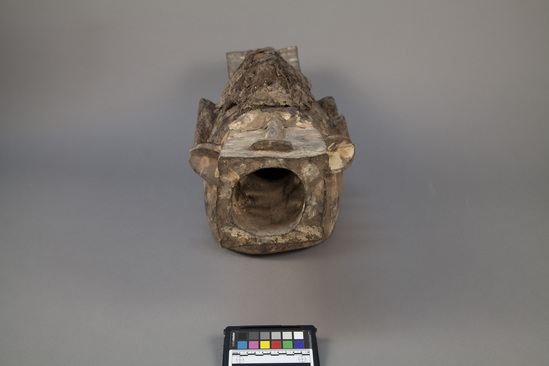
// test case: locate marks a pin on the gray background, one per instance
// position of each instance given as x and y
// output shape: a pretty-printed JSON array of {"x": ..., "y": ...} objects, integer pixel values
[{"x": 441, "y": 252}]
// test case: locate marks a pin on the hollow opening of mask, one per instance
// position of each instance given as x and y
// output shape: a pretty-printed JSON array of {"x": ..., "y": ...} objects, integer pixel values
[{"x": 268, "y": 201}]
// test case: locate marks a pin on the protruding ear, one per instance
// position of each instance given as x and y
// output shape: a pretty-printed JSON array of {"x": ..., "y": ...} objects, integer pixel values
[
  {"x": 204, "y": 159},
  {"x": 337, "y": 126},
  {"x": 328, "y": 104},
  {"x": 204, "y": 122},
  {"x": 341, "y": 153}
]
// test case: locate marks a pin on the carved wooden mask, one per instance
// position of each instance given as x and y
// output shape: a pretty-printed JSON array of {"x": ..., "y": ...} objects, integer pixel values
[{"x": 271, "y": 156}]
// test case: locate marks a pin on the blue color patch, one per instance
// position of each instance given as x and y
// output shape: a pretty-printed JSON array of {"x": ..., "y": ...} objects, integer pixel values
[
  {"x": 242, "y": 345},
  {"x": 299, "y": 344}
]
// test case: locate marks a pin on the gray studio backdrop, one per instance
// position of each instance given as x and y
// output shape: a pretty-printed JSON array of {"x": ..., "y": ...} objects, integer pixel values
[{"x": 441, "y": 252}]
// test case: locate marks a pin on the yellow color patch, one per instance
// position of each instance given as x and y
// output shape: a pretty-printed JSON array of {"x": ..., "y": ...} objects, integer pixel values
[{"x": 265, "y": 344}]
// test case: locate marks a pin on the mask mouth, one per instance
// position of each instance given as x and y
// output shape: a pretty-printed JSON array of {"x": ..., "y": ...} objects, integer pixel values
[{"x": 268, "y": 201}]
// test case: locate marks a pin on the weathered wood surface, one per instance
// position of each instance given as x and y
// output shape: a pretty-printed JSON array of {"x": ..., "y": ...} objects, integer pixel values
[{"x": 271, "y": 156}]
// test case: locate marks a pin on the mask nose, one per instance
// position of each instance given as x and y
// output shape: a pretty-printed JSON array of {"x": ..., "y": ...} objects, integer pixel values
[{"x": 274, "y": 138}]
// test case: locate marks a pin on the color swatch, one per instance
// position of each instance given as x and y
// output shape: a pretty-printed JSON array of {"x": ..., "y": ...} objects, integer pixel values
[
  {"x": 268, "y": 345},
  {"x": 270, "y": 340}
]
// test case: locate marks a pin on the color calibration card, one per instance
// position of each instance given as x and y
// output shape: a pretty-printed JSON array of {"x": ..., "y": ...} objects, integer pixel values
[{"x": 270, "y": 345}]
